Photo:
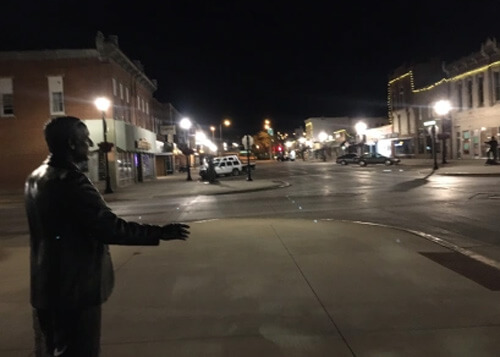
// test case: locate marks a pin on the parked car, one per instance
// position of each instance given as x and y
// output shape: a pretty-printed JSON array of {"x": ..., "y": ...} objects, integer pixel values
[
  {"x": 366, "y": 159},
  {"x": 224, "y": 165},
  {"x": 347, "y": 159}
]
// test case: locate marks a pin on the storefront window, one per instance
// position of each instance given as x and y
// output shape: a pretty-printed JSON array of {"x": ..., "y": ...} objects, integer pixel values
[
  {"x": 126, "y": 172},
  {"x": 148, "y": 167}
]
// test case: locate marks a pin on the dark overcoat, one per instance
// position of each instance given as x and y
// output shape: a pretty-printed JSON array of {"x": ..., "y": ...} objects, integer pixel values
[{"x": 70, "y": 229}]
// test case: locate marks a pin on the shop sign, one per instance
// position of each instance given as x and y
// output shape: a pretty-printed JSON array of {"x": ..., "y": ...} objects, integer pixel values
[
  {"x": 167, "y": 129},
  {"x": 142, "y": 144}
]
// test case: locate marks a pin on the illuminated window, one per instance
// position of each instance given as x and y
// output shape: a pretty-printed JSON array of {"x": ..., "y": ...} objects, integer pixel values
[
  {"x": 56, "y": 95},
  {"x": 6, "y": 97}
]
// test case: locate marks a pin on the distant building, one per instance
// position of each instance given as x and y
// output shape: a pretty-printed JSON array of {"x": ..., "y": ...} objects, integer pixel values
[
  {"x": 336, "y": 135},
  {"x": 38, "y": 85}
]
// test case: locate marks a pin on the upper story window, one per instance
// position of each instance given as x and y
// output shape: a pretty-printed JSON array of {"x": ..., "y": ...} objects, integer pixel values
[
  {"x": 460, "y": 96},
  {"x": 401, "y": 96},
  {"x": 147, "y": 108},
  {"x": 496, "y": 84},
  {"x": 469, "y": 93},
  {"x": 115, "y": 91},
  {"x": 121, "y": 91},
  {"x": 138, "y": 102},
  {"x": 480, "y": 90},
  {"x": 56, "y": 95},
  {"x": 6, "y": 97},
  {"x": 127, "y": 95}
]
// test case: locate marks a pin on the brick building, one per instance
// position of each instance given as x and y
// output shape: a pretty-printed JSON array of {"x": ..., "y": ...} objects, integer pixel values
[{"x": 38, "y": 85}]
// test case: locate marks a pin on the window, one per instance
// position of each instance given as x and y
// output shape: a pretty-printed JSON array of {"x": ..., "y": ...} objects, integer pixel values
[
  {"x": 460, "y": 96},
  {"x": 138, "y": 102},
  {"x": 6, "y": 97},
  {"x": 401, "y": 96},
  {"x": 127, "y": 95},
  {"x": 147, "y": 108},
  {"x": 56, "y": 95},
  {"x": 469, "y": 93},
  {"x": 480, "y": 90},
  {"x": 496, "y": 83},
  {"x": 114, "y": 87},
  {"x": 121, "y": 91}
]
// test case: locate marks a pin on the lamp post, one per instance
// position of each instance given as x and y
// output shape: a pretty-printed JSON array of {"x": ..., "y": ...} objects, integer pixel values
[
  {"x": 442, "y": 108},
  {"x": 102, "y": 104},
  {"x": 434, "y": 151},
  {"x": 432, "y": 128},
  {"x": 186, "y": 124},
  {"x": 269, "y": 130},
  {"x": 212, "y": 129},
  {"x": 360, "y": 128},
  {"x": 226, "y": 123}
]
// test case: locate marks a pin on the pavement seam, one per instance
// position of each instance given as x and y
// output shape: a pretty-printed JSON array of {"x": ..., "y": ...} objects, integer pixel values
[
  {"x": 337, "y": 328},
  {"x": 440, "y": 241}
]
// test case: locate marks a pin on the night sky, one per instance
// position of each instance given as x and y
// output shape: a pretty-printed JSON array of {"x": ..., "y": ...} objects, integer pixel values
[{"x": 250, "y": 60}]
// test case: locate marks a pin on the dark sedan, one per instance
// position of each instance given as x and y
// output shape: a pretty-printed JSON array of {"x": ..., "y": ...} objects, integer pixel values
[
  {"x": 377, "y": 159},
  {"x": 347, "y": 159}
]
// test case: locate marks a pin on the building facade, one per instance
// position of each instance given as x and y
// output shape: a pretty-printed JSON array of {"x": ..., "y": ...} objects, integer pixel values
[
  {"x": 471, "y": 85},
  {"x": 38, "y": 85}
]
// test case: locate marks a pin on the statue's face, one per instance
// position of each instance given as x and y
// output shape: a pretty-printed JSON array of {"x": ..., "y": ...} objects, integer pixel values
[{"x": 81, "y": 143}]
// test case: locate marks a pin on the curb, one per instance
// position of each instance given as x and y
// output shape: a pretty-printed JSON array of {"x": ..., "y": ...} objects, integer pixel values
[{"x": 439, "y": 241}]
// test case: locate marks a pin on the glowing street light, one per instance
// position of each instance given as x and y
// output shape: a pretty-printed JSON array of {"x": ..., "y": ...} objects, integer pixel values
[
  {"x": 212, "y": 129},
  {"x": 442, "y": 108},
  {"x": 102, "y": 104}
]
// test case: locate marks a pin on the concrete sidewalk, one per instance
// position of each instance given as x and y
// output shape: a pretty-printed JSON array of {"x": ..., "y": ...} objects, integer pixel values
[
  {"x": 455, "y": 167},
  {"x": 280, "y": 288}
]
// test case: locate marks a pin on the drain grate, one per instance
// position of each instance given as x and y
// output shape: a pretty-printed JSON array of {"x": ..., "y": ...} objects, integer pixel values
[{"x": 474, "y": 270}]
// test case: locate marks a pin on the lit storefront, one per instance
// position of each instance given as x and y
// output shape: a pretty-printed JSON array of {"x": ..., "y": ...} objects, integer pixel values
[{"x": 132, "y": 158}]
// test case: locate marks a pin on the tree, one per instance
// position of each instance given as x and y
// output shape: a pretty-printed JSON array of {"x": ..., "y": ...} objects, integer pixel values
[{"x": 263, "y": 141}]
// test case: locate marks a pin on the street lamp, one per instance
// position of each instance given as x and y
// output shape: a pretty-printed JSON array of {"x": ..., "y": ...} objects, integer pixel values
[
  {"x": 186, "y": 124},
  {"x": 212, "y": 129},
  {"x": 102, "y": 104},
  {"x": 442, "y": 108}
]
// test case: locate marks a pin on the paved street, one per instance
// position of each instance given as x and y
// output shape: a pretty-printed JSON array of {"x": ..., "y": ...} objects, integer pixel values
[{"x": 281, "y": 284}]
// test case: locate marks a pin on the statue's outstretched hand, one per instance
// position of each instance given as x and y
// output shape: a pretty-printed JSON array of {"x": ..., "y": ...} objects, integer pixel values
[{"x": 175, "y": 231}]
